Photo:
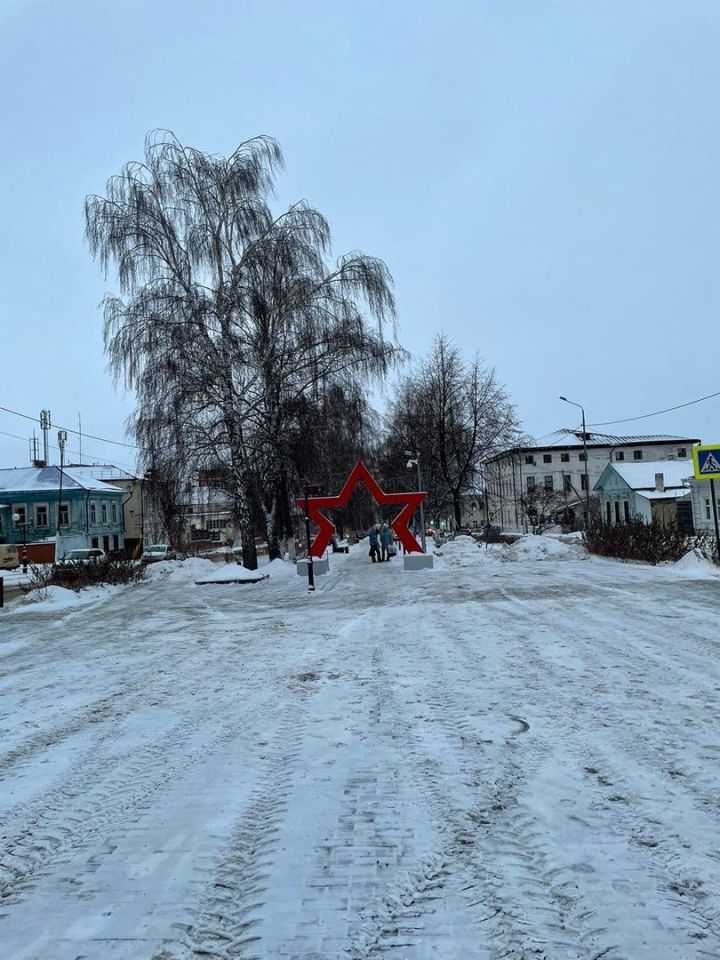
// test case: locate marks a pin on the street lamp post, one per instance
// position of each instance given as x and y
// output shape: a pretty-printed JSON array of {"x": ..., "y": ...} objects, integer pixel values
[
  {"x": 16, "y": 521},
  {"x": 587, "y": 478},
  {"x": 415, "y": 461},
  {"x": 308, "y": 489}
]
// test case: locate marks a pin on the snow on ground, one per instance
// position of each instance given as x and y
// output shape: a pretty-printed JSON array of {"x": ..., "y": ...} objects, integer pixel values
[{"x": 486, "y": 760}]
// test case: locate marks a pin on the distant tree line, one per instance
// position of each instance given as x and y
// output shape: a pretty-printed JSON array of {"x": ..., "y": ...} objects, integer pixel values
[{"x": 250, "y": 350}]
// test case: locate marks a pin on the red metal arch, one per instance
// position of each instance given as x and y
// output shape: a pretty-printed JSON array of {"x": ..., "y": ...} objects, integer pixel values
[{"x": 360, "y": 473}]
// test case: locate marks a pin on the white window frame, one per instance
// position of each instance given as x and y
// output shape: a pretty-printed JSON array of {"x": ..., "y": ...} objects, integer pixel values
[
  {"x": 18, "y": 508},
  {"x": 93, "y": 512},
  {"x": 103, "y": 513},
  {"x": 114, "y": 512},
  {"x": 46, "y": 508},
  {"x": 66, "y": 505}
]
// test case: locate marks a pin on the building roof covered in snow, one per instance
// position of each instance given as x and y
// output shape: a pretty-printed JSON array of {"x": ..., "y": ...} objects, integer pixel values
[
  {"x": 30, "y": 479},
  {"x": 641, "y": 476},
  {"x": 573, "y": 440}
]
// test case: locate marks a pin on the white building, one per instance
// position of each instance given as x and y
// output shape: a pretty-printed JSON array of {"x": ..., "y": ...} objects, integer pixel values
[
  {"x": 558, "y": 468},
  {"x": 702, "y": 503}
]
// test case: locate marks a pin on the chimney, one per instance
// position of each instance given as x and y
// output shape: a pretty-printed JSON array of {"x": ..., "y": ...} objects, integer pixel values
[{"x": 659, "y": 482}]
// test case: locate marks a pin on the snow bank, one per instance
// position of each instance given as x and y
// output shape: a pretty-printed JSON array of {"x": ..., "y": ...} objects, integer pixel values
[
  {"x": 466, "y": 552},
  {"x": 533, "y": 547},
  {"x": 695, "y": 565},
  {"x": 232, "y": 572},
  {"x": 60, "y": 598}
]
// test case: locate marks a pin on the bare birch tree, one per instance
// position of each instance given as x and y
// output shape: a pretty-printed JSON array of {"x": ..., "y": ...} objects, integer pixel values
[{"x": 226, "y": 315}]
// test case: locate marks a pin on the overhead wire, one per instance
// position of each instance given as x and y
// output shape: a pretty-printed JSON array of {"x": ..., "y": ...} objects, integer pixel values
[{"x": 79, "y": 433}]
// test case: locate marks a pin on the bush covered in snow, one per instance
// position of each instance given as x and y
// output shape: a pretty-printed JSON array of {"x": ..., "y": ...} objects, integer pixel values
[
  {"x": 75, "y": 576},
  {"x": 708, "y": 547},
  {"x": 637, "y": 540}
]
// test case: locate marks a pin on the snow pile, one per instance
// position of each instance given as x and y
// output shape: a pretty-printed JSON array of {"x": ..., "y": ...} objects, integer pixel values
[
  {"x": 182, "y": 571},
  {"x": 695, "y": 565},
  {"x": 231, "y": 572},
  {"x": 279, "y": 568},
  {"x": 60, "y": 598},
  {"x": 466, "y": 552},
  {"x": 533, "y": 547}
]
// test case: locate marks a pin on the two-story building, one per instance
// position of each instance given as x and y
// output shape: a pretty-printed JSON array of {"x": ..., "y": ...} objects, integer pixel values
[
  {"x": 559, "y": 470},
  {"x": 54, "y": 510}
]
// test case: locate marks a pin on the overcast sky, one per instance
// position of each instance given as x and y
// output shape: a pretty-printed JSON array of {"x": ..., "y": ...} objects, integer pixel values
[{"x": 542, "y": 179}]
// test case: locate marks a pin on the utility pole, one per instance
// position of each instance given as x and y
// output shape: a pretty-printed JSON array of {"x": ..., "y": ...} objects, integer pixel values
[
  {"x": 62, "y": 439},
  {"x": 587, "y": 477}
]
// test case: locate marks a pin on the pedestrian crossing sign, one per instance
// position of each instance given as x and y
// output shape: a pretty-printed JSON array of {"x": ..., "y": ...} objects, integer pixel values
[{"x": 706, "y": 461}]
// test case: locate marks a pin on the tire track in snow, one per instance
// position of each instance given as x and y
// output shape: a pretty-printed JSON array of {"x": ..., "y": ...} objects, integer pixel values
[
  {"x": 228, "y": 922},
  {"x": 107, "y": 798}
]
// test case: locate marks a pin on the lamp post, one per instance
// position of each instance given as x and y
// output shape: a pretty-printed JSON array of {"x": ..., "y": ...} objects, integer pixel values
[
  {"x": 17, "y": 522},
  {"x": 307, "y": 490},
  {"x": 587, "y": 478},
  {"x": 415, "y": 461}
]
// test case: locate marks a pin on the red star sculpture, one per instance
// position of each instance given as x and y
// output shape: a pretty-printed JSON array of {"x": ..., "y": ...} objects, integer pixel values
[{"x": 361, "y": 473}]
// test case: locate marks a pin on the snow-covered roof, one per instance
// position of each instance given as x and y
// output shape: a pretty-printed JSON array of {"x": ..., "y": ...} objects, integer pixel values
[
  {"x": 103, "y": 471},
  {"x": 29, "y": 479},
  {"x": 675, "y": 494},
  {"x": 641, "y": 476},
  {"x": 573, "y": 438}
]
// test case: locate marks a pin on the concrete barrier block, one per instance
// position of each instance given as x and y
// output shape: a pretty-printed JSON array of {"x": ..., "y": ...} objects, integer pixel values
[
  {"x": 418, "y": 561},
  {"x": 319, "y": 567}
]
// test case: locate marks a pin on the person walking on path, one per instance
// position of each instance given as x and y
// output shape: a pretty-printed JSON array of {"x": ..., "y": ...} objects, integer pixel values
[
  {"x": 386, "y": 539},
  {"x": 374, "y": 539}
]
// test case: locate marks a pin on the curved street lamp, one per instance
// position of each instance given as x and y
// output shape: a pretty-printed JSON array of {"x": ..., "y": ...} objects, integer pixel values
[{"x": 587, "y": 478}]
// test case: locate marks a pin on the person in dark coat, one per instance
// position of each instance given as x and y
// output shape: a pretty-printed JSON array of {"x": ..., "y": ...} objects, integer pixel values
[{"x": 374, "y": 544}]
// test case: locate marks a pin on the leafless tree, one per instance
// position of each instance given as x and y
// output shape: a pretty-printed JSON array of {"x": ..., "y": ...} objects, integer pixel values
[
  {"x": 228, "y": 317},
  {"x": 454, "y": 414}
]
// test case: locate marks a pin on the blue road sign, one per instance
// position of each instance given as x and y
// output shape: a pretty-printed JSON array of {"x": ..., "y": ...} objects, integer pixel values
[{"x": 706, "y": 461}]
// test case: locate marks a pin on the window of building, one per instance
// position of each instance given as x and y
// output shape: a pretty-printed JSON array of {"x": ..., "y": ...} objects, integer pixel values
[
  {"x": 93, "y": 512},
  {"x": 530, "y": 482},
  {"x": 216, "y": 524},
  {"x": 106, "y": 544},
  {"x": 626, "y": 509},
  {"x": 113, "y": 510},
  {"x": 547, "y": 458},
  {"x": 567, "y": 483},
  {"x": 116, "y": 540},
  {"x": 581, "y": 457},
  {"x": 707, "y": 508},
  {"x": 103, "y": 512},
  {"x": 530, "y": 459},
  {"x": 583, "y": 482},
  {"x": 41, "y": 515},
  {"x": 21, "y": 511},
  {"x": 549, "y": 482},
  {"x": 682, "y": 452},
  {"x": 617, "y": 511},
  {"x": 565, "y": 458},
  {"x": 620, "y": 455},
  {"x": 637, "y": 454},
  {"x": 63, "y": 514},
  {"x": 94, "y": 543},
  {"x": 607, "y": 511}
]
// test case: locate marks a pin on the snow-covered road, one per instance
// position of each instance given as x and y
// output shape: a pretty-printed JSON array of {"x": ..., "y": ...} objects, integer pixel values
[{"x": 506, "y": 757}]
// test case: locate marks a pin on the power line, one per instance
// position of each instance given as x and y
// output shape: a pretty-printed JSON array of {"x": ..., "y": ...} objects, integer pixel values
[
  {"x": 117, "y": 443},
  {"x": 679, "y": 406}
]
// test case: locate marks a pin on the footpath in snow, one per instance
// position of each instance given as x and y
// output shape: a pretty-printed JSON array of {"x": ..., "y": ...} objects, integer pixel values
[{"x": 514, "y": 755}]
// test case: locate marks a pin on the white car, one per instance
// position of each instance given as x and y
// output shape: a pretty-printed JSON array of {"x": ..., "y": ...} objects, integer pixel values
[
  {"x": 158, "y": 551},
  {"x": 90, "y": 555}
]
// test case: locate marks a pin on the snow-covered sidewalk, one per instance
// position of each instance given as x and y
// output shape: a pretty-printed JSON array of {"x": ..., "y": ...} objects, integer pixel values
[{"x": 515, "y": 755}]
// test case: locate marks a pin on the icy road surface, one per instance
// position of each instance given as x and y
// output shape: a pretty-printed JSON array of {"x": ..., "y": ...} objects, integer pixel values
[{"x": 515, "y": 755}]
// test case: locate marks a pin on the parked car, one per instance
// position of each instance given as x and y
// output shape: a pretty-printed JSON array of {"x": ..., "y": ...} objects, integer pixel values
[
  {"x": 89, "y": 555},
  {"x": 158, "y": 551},
  {"x": 9, "y": 556}
]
